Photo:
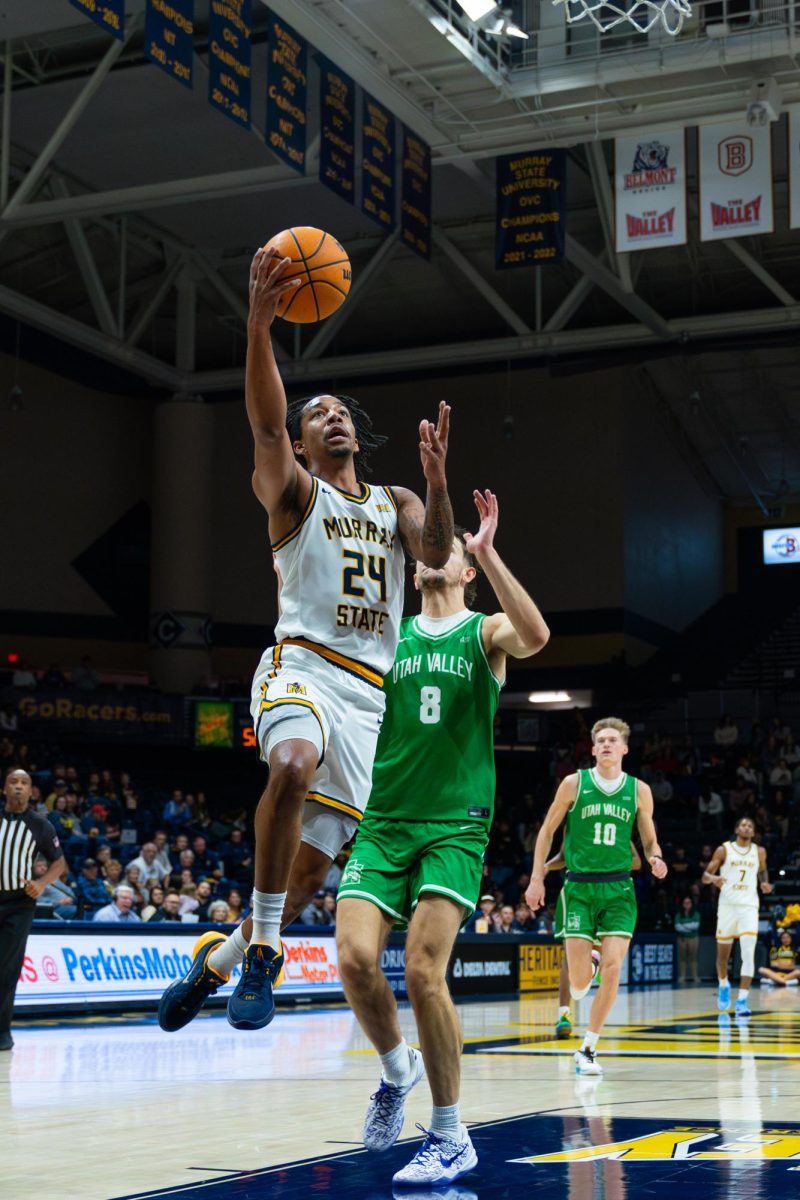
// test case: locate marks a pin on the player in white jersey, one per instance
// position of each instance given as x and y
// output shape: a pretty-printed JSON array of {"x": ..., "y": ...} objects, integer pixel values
[
  {"x": 738, "y": 868},
  {"x": 317, "y": 698}
]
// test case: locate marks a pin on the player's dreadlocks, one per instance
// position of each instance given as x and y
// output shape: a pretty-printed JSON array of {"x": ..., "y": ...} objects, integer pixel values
[{"x": 367, "y": 440}]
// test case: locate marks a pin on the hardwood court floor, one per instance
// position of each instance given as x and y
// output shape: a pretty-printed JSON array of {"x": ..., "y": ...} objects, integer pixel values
[{"x": 105, "y": 1109}]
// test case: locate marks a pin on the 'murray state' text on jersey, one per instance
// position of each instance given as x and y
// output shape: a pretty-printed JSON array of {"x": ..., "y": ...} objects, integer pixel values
[
  {"x": 342, "y": 574},
  {"x": 740, "y": 872}
]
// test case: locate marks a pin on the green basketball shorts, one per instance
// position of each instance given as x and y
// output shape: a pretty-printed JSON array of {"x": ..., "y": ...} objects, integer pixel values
[
  {"x": 596, "y": 910},
  {"x": 394, "y": 862}
]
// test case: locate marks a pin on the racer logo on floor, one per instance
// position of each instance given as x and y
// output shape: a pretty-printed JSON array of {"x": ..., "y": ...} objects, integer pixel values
[{"x": 683, "y": 1142}]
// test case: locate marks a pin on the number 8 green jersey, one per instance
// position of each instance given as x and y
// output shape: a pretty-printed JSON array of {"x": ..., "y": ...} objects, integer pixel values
[
  {"x": 435, "y": 755},
  {"x": 599, "y": 826}
]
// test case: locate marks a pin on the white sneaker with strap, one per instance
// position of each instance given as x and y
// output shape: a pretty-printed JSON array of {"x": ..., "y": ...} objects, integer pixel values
[
  {"x": 439, "y": 1160},
  {"x": 384, "y": 1118}
]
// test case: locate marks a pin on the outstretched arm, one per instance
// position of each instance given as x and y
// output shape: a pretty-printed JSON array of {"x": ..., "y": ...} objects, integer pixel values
[
  {"x": 520, "y": 629},
  {"x": 427, "y": 533},
  {"x": 278, "y": 479},
  {"x": 710, "y": 875},
  {"x": 763, "y": 873},
  {"x": 562, "y": 803},
  {"x": 647, "y": 830}
]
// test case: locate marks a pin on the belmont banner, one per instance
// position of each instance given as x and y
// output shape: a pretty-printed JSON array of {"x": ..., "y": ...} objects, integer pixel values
[
  {"x": 337, "y": 159},
  {"x": 108, "y": 14},
  {"x": 168, "y": 34},
  {"x": 735, "y": 173},
  {"x": 229, "y": 30},
  {"x": 287, "y": 85},
  {"x": 650, "y": 190},
  {"x": 415, "y": 194},
  {"x": 378, "y": 162},
  {"x": 794, "y": 167},
  {"x": 531, "y": 208}
]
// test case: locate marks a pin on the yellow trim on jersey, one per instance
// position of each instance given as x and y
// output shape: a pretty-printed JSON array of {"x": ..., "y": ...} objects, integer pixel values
[
  {"x": 731, "y": 937},
  {"x": 266, "y": 705},
  {"x": 390, "y": 494},
  {"x": 329, "y": 802},
  {"x": 340, "y": 660},
  {"x": 348, "y": 495},
  {"x": 276, "y": 666},
  {"x": 294, "y": 532}
]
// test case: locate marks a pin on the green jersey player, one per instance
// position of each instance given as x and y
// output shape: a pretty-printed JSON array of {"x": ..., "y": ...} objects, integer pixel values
[
  {"x": 418, "y": 855},
  {"x": 597, "y": 902}
]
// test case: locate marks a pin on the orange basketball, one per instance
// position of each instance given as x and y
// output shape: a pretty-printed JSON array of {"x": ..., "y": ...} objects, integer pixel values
[{"x": 324, "y": 267}]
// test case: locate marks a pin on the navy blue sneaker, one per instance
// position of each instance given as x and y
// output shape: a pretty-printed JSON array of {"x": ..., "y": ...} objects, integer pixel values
[
  {"x": 252, "y": 1005},
  {"x": 184, "y": 998}
]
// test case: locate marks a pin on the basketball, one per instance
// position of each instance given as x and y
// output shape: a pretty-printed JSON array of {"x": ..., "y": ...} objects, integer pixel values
[{"x": 324, "y": 267}]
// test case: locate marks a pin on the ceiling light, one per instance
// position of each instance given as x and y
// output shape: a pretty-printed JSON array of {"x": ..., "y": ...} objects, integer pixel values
[
  {"x": 504, "y": 27},
  {"x": 475, "y": 9},
  {"x": 549, "y": 698}
]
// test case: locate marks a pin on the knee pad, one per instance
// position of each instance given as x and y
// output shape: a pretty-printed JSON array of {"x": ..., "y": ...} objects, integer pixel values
[{"x": 747, "y": 949}]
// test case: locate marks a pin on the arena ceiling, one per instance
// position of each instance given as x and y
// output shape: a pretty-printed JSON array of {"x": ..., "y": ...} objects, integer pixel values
[{"x": 130, "y": 211}]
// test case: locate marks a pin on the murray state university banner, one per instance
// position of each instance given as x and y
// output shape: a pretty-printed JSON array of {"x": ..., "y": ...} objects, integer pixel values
[
  {"x": 735, "y": 180},
  {"x": 650, "y": 190}
]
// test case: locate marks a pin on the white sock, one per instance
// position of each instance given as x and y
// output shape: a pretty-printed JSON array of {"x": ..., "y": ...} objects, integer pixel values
[
  {"x": 563, "y": 1011},
  {"x": 446, "y": 1122},
  {"x": 590, "y": 1041},
  {"x": 791, "y": 983},
  {"x": 225, "y": 957},
  {"x": 398, "y": 1065},
  {"x": 267, "y": 914},
  {"x": 579, "y": 993},
  {"x": 743, "y": 993}
]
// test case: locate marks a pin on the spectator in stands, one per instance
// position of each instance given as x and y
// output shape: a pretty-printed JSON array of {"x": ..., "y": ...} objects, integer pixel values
[
  {"x": 747, "y": 773},
  {"x": 150, "y": 869},
  {"x": 201, "y": 817},
  {"x": 503, "y": 921},
  {"x": 53, "y": 678},
  {"x": 783, "y": 968},
  {"x": 237, "y": 859},
  {"x": 112, "y": 873},
  {"x": 186, "y": 862},
  {"x": 726, "y": 733},
  {"x": 780, "y": 776},
  {"x": 481, "y": 922},
  {"x": 23, "y": 677},
  {"x": 791, "y": 752},
  {"x": 132, "y": 877},
  {"x": 160, "y": 842},
  {"x": 10, "y": 723},
  {"x": 120, "y": 909},
  {"x": 84, "y": 676},
  {"x": 315, "y": 912},
  {"x": 661, "y": 788},
  {"x": 58, "y": 893},
  {"x": 709, "y": 809},
  {"x": 154, "y": 903},
  {"x": 176, "y": 810},
  {"x": 235, "y": 906},
  {"x": 189, "y": 902},
  {"x": 523, "y": 919},
  {"x": 204, "y": 895},
  {"x": 218, "y": 912},
  {"x": 330, "y": 906},
  {"x": 545, "y": 920},
  {"x": 64, "y": 821},
  {"x": 679, "y": 868},
  {"x": 90, "y": 890},
  {"x": 187, "y": 877},
  {"x": 335, "y": 870},
  {"x": 687, "y": 927},
  {"x": 180, "y": 844},
  {"x": 206, "y": 862},
  {"x": 170, "y": 909}
]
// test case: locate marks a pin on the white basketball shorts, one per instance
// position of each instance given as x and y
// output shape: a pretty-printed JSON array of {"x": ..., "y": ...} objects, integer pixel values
[{"x": 734, "y": 920}]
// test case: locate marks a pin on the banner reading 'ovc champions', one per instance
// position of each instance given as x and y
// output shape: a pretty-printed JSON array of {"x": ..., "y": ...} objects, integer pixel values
[{"x": 650, "y": 190}]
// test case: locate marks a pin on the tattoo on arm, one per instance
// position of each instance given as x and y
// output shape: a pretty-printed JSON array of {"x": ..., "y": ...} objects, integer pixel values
[{"x": 437, "y": 531}]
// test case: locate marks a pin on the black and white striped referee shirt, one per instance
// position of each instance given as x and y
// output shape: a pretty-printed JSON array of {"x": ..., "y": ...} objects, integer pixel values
[{"x": 23, "y": 836}]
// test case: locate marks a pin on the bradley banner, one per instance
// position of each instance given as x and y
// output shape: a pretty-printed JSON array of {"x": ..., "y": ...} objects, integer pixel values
[
  {"x": 735, "y": 163},
  {"x": 650, "y": 190},
  {"x": 287, "y": 83},
  {"x": 168, "y": 37},
  {"x": 337, "y": 160},
  {"x": 378, "y": 163},
  {"x": 229, "y": 30},
  {"x": 108, "y": 14},
  {"x": 531, "y": 207},
  {"x": 794, "y": 167}
]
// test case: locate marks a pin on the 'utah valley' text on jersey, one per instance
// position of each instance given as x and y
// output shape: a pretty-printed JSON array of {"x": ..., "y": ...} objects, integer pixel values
[
  {"x": 435, "y": 756},
  {"x": 599, "y": 826},
  {"x": 342, "y": 574}
]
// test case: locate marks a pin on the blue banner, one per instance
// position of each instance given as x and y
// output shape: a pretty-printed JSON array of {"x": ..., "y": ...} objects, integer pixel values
[
  {"x": 108, "y": 14},
  {"x": 287, "y": 83},
  {"x": 378, "y": 163},
  {"x": 229, "y": 29},
  {"x": 337, "y": 160},
  {"x": 168, "y": 31},
  {"x": 531, "y": 208},
  {"x": 415, "y": 194}
]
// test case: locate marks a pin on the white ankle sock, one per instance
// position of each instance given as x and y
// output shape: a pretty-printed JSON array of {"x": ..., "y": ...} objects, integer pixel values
[
  {"x": 563, "y": 1011},
  {"x": 743, "y": 993},
  {"x": 267, "y": 914},
  {"x": 590, "y": 1041},
  {"x": 446, "y": 1122},
  {"x": 398, "y": 1065},
  {"x": 225, "y": 957}
]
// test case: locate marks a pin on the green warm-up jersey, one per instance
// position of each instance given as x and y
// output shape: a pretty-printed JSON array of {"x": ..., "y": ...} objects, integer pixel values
[
  {"x": 599, "y": 826},
  {"x": 435, "y": 755}
]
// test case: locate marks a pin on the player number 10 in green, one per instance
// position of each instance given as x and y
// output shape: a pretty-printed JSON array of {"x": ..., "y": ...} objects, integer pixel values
[
  {"x": 604, "y": 835},
  {"x": 430, "y": 705}
]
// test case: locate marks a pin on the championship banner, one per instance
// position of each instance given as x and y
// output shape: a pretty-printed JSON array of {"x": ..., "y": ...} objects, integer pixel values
[
  {"x": 378, "y": 162},
  {"x": 168, "y": 32},
  {"x": 415, "y": 194},
  {"x": 337, "y": 159},
  {"x": 531, "y": 208},
  {"x": 735, "y": 171},
  {"x": 113, "y": 964},
  {"x": 794, "y": 167},
  {"x": 229, "y": 29},
  {"x": 650, "y": 190},
  {"x": 287, "y": 83},
  {"x": 108, "y": 14}
]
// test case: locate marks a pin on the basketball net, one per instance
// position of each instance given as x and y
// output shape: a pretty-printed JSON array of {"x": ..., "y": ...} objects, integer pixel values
[{"x": 641, "y": 14}]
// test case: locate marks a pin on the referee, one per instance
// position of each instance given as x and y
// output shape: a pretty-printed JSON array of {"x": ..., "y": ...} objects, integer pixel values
[{"x": 23, "y": 836}]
